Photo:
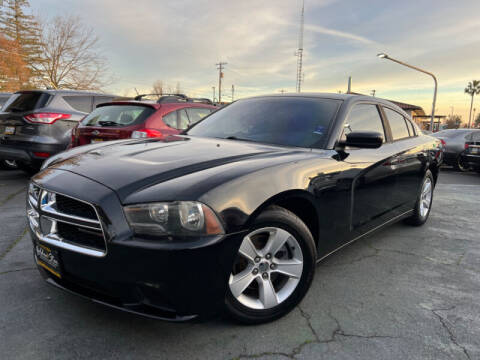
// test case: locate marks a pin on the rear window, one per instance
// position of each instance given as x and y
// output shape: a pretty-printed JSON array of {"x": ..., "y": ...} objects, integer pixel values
[
  {"x": 118, "y": 115},
  {"x": 79, "y": 103},
  {"x": 474, "y": 136},
  {"x": 26, "y": 102},
  {"x": 197, "y": 114},
  {"x": 451, "y": 133}
]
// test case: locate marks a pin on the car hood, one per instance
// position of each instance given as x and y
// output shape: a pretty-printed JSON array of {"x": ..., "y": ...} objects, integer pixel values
[{"x": 128, "y": 166}]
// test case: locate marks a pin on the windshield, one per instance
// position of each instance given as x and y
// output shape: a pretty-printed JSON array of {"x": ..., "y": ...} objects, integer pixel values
[
  {"x": 291, "y": 121},
  {"x": 118, "y": 115}
]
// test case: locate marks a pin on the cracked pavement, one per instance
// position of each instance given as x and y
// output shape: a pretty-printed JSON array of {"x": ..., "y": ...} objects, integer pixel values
[{"x": 402, "y": 293}]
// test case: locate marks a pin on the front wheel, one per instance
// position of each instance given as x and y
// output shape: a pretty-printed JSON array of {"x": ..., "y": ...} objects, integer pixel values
[
  {"x": 273, "y": 269},
  {"x": 424, "y": 201}
]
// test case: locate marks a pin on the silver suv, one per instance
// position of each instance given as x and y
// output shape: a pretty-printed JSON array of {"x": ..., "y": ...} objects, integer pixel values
[{"x": 35, "y": 125}]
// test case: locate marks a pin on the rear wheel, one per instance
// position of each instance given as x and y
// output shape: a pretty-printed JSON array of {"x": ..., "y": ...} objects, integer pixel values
[
  {"x": 461, "y": 165},
  {"x": 424, "y": 201},
  {"x": 273, "y": 269}
]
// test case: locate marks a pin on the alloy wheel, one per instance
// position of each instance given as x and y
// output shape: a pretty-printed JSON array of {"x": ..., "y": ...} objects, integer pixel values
[
  {"x": 426, "y": 197},
  {"x": 267, "y": 269}
]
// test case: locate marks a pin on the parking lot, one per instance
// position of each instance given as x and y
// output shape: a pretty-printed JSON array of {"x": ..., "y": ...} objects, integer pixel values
[{"x": 403, "y": 293}]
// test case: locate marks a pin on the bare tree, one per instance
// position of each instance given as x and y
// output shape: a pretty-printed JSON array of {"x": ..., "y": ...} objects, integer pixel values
[
  {"x": 71, "y": 56},
  {"x": 158, "y": 87}
]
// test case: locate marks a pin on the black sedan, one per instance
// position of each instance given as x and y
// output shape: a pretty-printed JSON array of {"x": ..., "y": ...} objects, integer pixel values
[{"x": 234, "y": 214}]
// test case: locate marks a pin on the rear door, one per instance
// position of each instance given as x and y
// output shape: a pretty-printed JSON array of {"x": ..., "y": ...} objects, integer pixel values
[{"x": 410, "y": 161}]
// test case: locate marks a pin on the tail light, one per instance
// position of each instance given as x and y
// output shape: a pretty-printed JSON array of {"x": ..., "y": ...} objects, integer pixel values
[
  {"x": 46, "y": 118},
  {"x": 466, "y": 146},
  {"x": 443, "y": 142},
  {"x": 42, "y": 154},
  {"x": 73, "y": 139},
  {"x": 146, "y": 133}
]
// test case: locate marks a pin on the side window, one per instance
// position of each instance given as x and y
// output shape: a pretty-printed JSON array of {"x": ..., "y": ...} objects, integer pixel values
[
  {"x": 183, "y": 121},
  {"x": 197, "y": 114},
  {"x": 411, "y": 129},
  {"x": 363, "y": 117},
  {"x": 79, "y": 103},
  {"x": 170, "y": 119},
  {"x": 397, "y": 124}
]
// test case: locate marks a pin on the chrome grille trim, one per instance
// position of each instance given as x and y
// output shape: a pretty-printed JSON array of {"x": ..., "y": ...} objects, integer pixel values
[{"x": 44, "y": 208}]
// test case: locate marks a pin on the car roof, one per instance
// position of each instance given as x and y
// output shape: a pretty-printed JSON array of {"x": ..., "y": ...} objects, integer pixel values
[
  {"x": 156, "y": 105},
  {"x": 65, "y": 92},
  {"x": 337, "y": 96}
]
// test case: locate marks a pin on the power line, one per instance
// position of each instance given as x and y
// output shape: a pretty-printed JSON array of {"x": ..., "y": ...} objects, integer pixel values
[{"x": 220, "y": 76}]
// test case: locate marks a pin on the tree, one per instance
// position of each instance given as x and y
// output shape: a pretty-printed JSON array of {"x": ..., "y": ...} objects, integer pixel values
[
  {"x": 22, "y": 28},
  {"x": 453, "y": 121},
  {"x": 472, "y": 89},
  {"x": 14, "y": 73},
  {"x": 158, "y": 87},
  {"x": 71, "y": 56}
]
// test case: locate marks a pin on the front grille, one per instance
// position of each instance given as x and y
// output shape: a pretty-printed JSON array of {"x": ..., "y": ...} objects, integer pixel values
[
  {"x": 81, "y": 236},
  {"x": 75, "y": 207},
  {"x": 65, "y": 222}
]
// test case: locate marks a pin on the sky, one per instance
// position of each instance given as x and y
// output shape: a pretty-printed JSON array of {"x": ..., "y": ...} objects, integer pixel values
[{"x": 182, "y": 40}]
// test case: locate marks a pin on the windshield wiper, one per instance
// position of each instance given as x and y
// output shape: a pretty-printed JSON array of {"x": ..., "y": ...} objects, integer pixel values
[{"x": 108, "y": 123}]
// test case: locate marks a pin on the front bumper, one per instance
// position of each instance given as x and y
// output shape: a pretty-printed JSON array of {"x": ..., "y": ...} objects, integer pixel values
[{"x": 176, "y": 282}]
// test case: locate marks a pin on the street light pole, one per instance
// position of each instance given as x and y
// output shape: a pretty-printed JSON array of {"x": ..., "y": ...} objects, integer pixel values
[{"x": 385, "y": 56}]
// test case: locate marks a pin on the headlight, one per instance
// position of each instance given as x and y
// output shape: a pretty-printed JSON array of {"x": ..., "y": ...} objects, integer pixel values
[{"x": 182, "y": 218}]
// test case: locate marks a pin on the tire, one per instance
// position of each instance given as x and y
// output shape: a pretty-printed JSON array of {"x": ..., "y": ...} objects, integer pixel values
[
  {"x": 460, "y": 165},
  {"x": 278, "y": 238},
  {"x": 420, "y": 214}
]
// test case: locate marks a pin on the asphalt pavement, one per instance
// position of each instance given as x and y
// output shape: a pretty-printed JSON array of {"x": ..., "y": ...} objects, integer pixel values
[{"x": 403, "y": 293}]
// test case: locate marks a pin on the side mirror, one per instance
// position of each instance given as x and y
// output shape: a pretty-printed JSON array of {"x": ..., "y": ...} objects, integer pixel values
[{"x": 364, "y": 139}]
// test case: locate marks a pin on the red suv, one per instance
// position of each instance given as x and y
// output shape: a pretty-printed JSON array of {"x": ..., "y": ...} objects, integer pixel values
[{"x": 169, "y": 115}]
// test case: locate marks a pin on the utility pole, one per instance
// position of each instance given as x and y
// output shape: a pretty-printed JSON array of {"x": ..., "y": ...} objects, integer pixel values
[
  {"x": 233, "y": 91},
  {"x": 220, "y": 76},
  {"x": 299, "y": 52},
  {"x": 349, "y": 85},
  {"x": 213, "y": 98}
]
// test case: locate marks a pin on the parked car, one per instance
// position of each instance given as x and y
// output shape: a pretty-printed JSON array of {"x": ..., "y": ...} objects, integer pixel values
[
  {"x": 453, "y": 141},
  {"x": 3, "y": 98},
  {"x": 471, "y": 155},
  {"x": 37, "y": 124},
  {"x": 234, "y": 213},
  {"x": 167, "y": 115},
  {"x": 6, "y": 164}
]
